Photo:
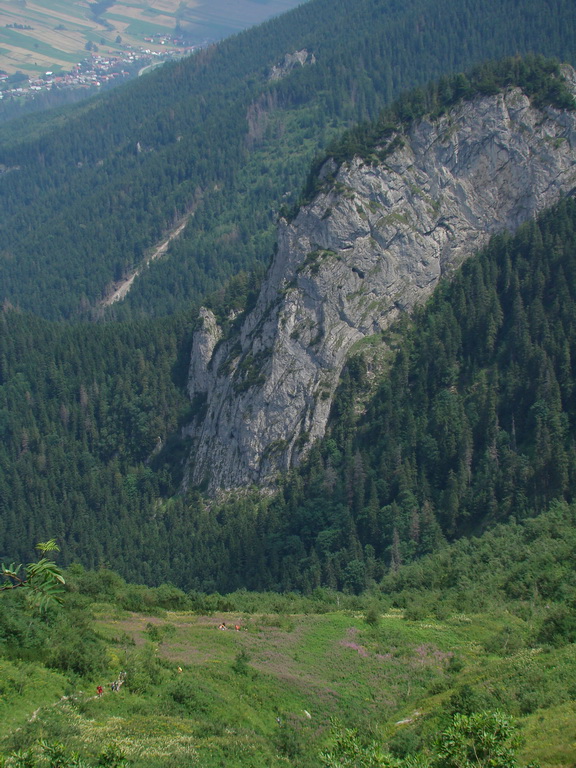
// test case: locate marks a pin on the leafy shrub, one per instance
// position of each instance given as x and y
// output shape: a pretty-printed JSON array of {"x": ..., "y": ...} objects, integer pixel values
[
  {"x": 18, "y": 632},
  {"x": 171, "y": 598},
  {"x": 455, "y": 665},
  {"x": 241, "y": 663},
  {"x": 416, "y": 612},
  {"x": 290, "y": 740},
  {"x": 102, "y": 584},
  {"x": 559, "y": 627},
  {"x": 508, "y": 641},
  {"x": 482, "y": 740},
  {"x": 111, "y": 757},
  {"x": 143, "y": 670},
  {"x": 467, "y": 700},
  {"x": 187, "y": 694},
  {"x": 372, "y": 616},
  {"x": 158, "y": 633},
  {"x": 405, "y": 742},
  {"x": 78, "y": 655}
]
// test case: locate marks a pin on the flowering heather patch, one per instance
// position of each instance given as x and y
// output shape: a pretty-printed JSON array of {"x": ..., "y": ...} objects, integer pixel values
[
  {"x": 350, "y": 642},
  {"x": 429, "y": 654},
  {"x": 355, "y": 647}
]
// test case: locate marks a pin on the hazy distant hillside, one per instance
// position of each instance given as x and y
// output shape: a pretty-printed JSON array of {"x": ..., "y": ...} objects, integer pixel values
[{"x": 214, "y": 142}]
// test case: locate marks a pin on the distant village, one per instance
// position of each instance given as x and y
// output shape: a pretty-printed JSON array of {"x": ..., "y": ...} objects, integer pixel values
[{"x": 98, "y": 70}]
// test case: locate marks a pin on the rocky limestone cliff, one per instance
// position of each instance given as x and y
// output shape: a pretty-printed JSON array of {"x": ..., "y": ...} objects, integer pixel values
[
  {"x": 291, "y": 60},
  {"x": 370, "y": 246}
]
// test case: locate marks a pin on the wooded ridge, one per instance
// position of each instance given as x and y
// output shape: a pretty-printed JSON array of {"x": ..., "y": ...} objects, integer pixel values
[{"x": 87, "y": 193}]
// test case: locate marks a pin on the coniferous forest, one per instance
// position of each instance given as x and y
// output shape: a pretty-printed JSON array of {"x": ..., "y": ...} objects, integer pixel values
[
  {"x": 88, "y": 192},
  {"x": 459, "y": 435},
  {"x": 429, "y": 535}
]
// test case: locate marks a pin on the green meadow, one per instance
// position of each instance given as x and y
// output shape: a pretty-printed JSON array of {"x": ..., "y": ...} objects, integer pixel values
[{"x": 272, "y": 692}]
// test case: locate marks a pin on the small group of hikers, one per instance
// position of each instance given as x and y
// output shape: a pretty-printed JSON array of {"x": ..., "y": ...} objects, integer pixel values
[
  {"x": 114, "y": 686},
  {"x": 223, "y": 626}
]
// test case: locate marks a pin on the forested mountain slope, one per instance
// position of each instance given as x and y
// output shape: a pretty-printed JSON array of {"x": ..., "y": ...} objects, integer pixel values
[
  {"x": 473, "y": 423},
  {"x": 85, "y": 411},
  {"x": 398, "y": 205},
  {"x": 85, "y": 196}
]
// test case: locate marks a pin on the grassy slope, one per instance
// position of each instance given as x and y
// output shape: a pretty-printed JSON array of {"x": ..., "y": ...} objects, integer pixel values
[{"x": 222, "y": 708}]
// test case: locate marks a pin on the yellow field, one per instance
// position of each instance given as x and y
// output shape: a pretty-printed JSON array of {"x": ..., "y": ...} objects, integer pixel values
[{"x": 59, "y": 30}]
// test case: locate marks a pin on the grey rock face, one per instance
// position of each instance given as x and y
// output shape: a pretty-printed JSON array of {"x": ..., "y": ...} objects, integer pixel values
[
  {"x": 291, "y": 60},
  {"x": 370, "y": 246}
]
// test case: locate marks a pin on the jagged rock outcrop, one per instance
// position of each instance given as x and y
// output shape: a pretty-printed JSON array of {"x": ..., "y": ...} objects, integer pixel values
[
  {"x": 290, "y": 61},
  {"x": 370, "y": 246}
]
